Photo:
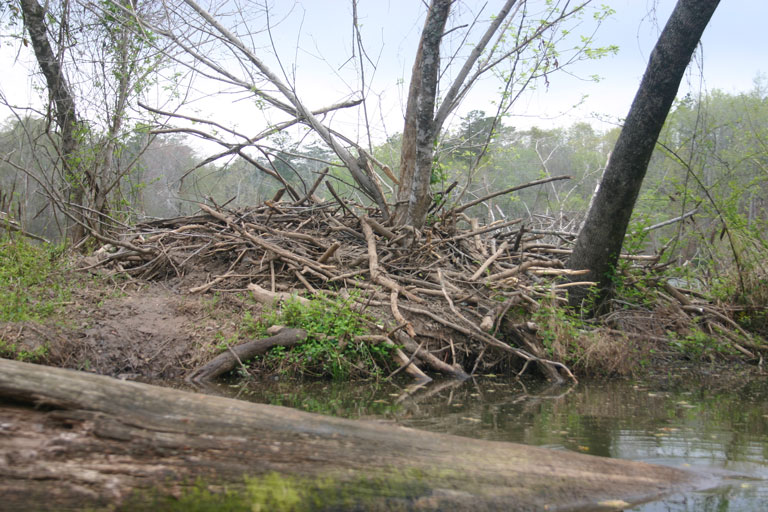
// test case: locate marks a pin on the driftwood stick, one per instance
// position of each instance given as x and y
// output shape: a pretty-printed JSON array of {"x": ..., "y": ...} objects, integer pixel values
[
  {"x": 227, "y": 361},
  {"x": 102, "y": 440}
]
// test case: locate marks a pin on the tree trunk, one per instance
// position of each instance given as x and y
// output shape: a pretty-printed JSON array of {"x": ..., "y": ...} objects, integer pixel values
[
  {"x": 599, "y": 243},
  {"x": 417, "y": 154},
  {"x": 63, "y": 104},
  {"x": 73, "y": 441}
]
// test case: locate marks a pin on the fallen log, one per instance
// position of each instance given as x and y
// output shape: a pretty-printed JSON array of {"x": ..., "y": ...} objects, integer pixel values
[
  {"x": 228, "y": 361},
  {"x": 74, "y": 440}
]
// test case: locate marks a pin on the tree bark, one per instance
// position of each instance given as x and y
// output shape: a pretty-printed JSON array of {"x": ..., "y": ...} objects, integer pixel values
[
  {"x": 73, "y": 441},
  {"x": 62, "y": 99},
  {"x": 599, "y": 243},
  {"x": 417, "y": 154}
]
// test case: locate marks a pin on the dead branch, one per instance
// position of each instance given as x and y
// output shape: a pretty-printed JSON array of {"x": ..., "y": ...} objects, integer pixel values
[
  {"x": 227, "y": 361},
  {"x": 470, "y": 204}
]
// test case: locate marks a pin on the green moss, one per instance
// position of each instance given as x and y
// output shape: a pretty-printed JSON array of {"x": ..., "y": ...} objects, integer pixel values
[{"x": 277, "y": 492}]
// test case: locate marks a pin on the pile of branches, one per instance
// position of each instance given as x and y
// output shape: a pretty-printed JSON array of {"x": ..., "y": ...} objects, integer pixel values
[{"x": 440, "y": 296}]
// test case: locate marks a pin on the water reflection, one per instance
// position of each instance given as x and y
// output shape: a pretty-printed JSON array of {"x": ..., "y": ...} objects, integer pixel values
[{"x": 697, "y": 425}]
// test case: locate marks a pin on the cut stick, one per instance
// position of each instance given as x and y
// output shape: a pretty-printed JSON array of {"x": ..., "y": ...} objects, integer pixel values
[
  {"x": 377, "y": 275},
  {"x": 229, "y": 273},
  {"x": 550, "y": 367},
  {"x": 264, "y": 296},
  {"x": 556, "y": 271},
  {"x": 487, "y": 263},
  {"x": 435, "y": 363},
  {"x": 378, "y": 228},
  {"x": 329, "y": 252},
  {"x": 479, "y": 246},
  {"x": 399, "y": 318},
  {"x": 492, "y": 227},
  {"x": 313, "y": 188},
  {"x": 516, "y": 270}
]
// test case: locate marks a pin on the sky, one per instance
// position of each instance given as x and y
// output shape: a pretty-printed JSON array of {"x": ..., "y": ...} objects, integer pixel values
[
  {"x": 314, "y": 41},
  {"x": 733, "y": 53}
]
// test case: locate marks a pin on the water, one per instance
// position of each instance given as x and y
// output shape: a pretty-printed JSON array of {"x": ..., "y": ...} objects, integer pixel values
[{"x": 709, "y": 426}]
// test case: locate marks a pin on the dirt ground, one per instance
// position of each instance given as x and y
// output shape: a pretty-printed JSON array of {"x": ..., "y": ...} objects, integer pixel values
[{"x": 132, "y": 330}]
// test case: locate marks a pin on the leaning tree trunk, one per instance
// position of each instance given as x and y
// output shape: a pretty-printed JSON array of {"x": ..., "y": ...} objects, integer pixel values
[
  {"x": 62, "y": 99},
  {"x": 417, "y": 154},
  {"x": 600, "y": 241}
]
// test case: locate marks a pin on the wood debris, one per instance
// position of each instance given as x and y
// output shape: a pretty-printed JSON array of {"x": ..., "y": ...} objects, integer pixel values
[{"x": 441, "y": 296}]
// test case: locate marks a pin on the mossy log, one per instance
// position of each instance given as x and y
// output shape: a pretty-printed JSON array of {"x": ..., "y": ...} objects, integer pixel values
[{"x": 74, "y": 440}]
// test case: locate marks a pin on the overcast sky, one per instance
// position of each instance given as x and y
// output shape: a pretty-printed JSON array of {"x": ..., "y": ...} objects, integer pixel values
[{"x": 734, "y": 48}]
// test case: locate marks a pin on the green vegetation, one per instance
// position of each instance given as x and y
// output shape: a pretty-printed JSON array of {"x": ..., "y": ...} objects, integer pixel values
[
  {"x": 698, "y": 344},
  {"x": 31, "y": 287},
  {"x": 15, "y": 351},
  {"x": 330, "y": 349},
  {"x": 274, "y": 491},
  {"x": 32, "y": 290}
]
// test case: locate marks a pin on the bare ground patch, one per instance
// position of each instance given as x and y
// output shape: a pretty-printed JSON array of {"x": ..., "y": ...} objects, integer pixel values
[{"x": 132, "y": 330}]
